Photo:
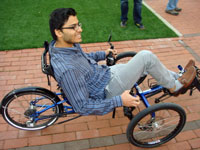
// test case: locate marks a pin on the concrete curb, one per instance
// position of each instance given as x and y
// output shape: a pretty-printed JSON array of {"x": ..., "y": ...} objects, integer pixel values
[{"x": 162, "y": 19}]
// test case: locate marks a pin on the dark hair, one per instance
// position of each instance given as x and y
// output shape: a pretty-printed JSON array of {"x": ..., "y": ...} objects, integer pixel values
[{"x": 58, "y": 17}]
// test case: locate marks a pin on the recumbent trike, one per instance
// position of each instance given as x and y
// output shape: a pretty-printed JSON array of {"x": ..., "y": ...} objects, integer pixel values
[{"x": 35, "y": 108}]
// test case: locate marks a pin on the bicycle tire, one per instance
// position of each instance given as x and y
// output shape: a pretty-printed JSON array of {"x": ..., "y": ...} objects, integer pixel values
[
  {"x": 142, "y": 135},
  {"x": 127, "y": 56},
  {"x": 19, "y": 106}
]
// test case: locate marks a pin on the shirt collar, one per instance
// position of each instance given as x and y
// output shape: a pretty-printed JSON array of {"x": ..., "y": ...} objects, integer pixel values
[{"x": 66, "y": 50}]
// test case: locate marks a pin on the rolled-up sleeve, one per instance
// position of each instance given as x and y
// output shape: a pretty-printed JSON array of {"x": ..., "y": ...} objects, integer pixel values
[{"x": 75, "y": 89}]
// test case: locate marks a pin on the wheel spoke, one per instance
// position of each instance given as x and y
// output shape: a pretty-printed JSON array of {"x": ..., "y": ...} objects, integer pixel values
[
  {"x": 19, "y": 112},
  {"x": 13, "y": 110},
  {"x": 148, "y": 132}
]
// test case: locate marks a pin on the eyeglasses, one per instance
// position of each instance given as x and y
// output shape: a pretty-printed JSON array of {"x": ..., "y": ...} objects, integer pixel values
[{"x": 74, "y": 27}]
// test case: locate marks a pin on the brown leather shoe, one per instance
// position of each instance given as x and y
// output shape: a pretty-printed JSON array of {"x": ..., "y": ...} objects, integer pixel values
[
  {"x": 186, "y": 79},
  {"x": 189, "y": 64}
]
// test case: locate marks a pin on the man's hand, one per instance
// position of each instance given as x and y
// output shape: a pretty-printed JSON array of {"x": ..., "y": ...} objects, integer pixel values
[
  {"x": 114, "y": 52},
  {"x": 129, "y": 100}
]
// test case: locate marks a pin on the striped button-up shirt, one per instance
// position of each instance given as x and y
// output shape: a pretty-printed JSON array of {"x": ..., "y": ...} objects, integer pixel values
[{"x": 82, "y": 80}]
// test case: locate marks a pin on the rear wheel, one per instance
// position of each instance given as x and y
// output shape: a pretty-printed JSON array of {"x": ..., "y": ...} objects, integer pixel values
[{"x": 29, "y": 110}]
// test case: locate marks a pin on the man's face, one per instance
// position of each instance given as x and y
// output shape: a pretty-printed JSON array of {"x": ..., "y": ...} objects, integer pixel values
[{"x": 73, "y": 35}]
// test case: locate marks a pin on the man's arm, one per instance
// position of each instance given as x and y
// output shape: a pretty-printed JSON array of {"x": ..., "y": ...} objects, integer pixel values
[
  {"x": 75, "y": 89},
  {"x": 97, "y": 56},
  {"x": 101, "y": 55}
]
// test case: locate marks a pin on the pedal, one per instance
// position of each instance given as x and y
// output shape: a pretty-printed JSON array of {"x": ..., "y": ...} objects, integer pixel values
[
  {"x": 128, "y": 112},
  {"x": 195, "y": 85},
  {"x": 196, "y": 82},
  {"x": 64, "y": 115}
]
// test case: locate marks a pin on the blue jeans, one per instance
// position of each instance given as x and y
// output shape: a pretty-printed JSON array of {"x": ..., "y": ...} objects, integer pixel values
[
  {"x": 172, "y": 4},
  {"x": 137, "y": 11}
]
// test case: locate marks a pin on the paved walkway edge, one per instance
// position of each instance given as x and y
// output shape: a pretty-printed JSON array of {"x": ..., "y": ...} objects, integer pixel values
[
  {"x": 162, "y": 19},
  {"x": 190, "y": 50}
]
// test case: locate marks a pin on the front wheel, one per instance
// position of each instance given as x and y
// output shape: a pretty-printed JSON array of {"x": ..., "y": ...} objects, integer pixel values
[
  {"x": 156, "y": 125},
  {"x": 30, "y": 108}
]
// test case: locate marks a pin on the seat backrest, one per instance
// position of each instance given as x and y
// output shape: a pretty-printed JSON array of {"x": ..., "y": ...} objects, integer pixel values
[{"x": 45, "y": 61}]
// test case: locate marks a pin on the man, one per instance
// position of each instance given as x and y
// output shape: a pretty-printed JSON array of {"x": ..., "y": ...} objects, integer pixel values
[
  {"x": 98, "y": 89},
  {"x": 137, "y": 13}
]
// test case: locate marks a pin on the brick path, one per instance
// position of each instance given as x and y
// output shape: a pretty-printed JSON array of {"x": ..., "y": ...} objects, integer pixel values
[{"x": 22, "y": 68}]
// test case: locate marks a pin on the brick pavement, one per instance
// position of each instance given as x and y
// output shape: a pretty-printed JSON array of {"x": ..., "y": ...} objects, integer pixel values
[{"x": 22, "y": 68}]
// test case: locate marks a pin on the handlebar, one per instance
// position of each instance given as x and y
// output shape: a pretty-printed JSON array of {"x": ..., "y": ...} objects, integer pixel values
[{"x": 110, "y": 60}]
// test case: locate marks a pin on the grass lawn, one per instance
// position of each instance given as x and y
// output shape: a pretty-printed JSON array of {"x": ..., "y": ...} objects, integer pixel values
[{"x": 24, "y": 23}]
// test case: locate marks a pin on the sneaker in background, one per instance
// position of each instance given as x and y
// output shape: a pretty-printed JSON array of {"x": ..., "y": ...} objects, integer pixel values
[
  {"x": 123, "y": 24},
  {"x": 172, "y": 12},
  {"x": 140, "y": 26}
]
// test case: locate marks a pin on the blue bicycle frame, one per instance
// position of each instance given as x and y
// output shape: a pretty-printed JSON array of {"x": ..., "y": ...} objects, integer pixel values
[{"x": 68, "y": 109}]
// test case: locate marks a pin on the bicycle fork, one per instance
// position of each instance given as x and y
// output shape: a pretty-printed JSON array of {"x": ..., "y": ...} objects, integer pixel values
[{"x": 142, "y": 94}]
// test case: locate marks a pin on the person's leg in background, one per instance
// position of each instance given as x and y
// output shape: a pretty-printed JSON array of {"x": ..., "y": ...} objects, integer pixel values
[
  {"x": 137, "y": 13},
  {"x": 124, "y": 12},
  {"x": 170, "y": 9}
]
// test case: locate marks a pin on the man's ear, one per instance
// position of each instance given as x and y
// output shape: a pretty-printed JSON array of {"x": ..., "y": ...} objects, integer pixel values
[{"x": 58, "y": 33}]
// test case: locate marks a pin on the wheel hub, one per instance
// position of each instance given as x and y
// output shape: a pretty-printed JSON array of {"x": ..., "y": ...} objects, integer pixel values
[
  {"x": 29, "y": 112},
  {"x": 157, "y": 123},
  {"x": 153, "y": 124}
]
